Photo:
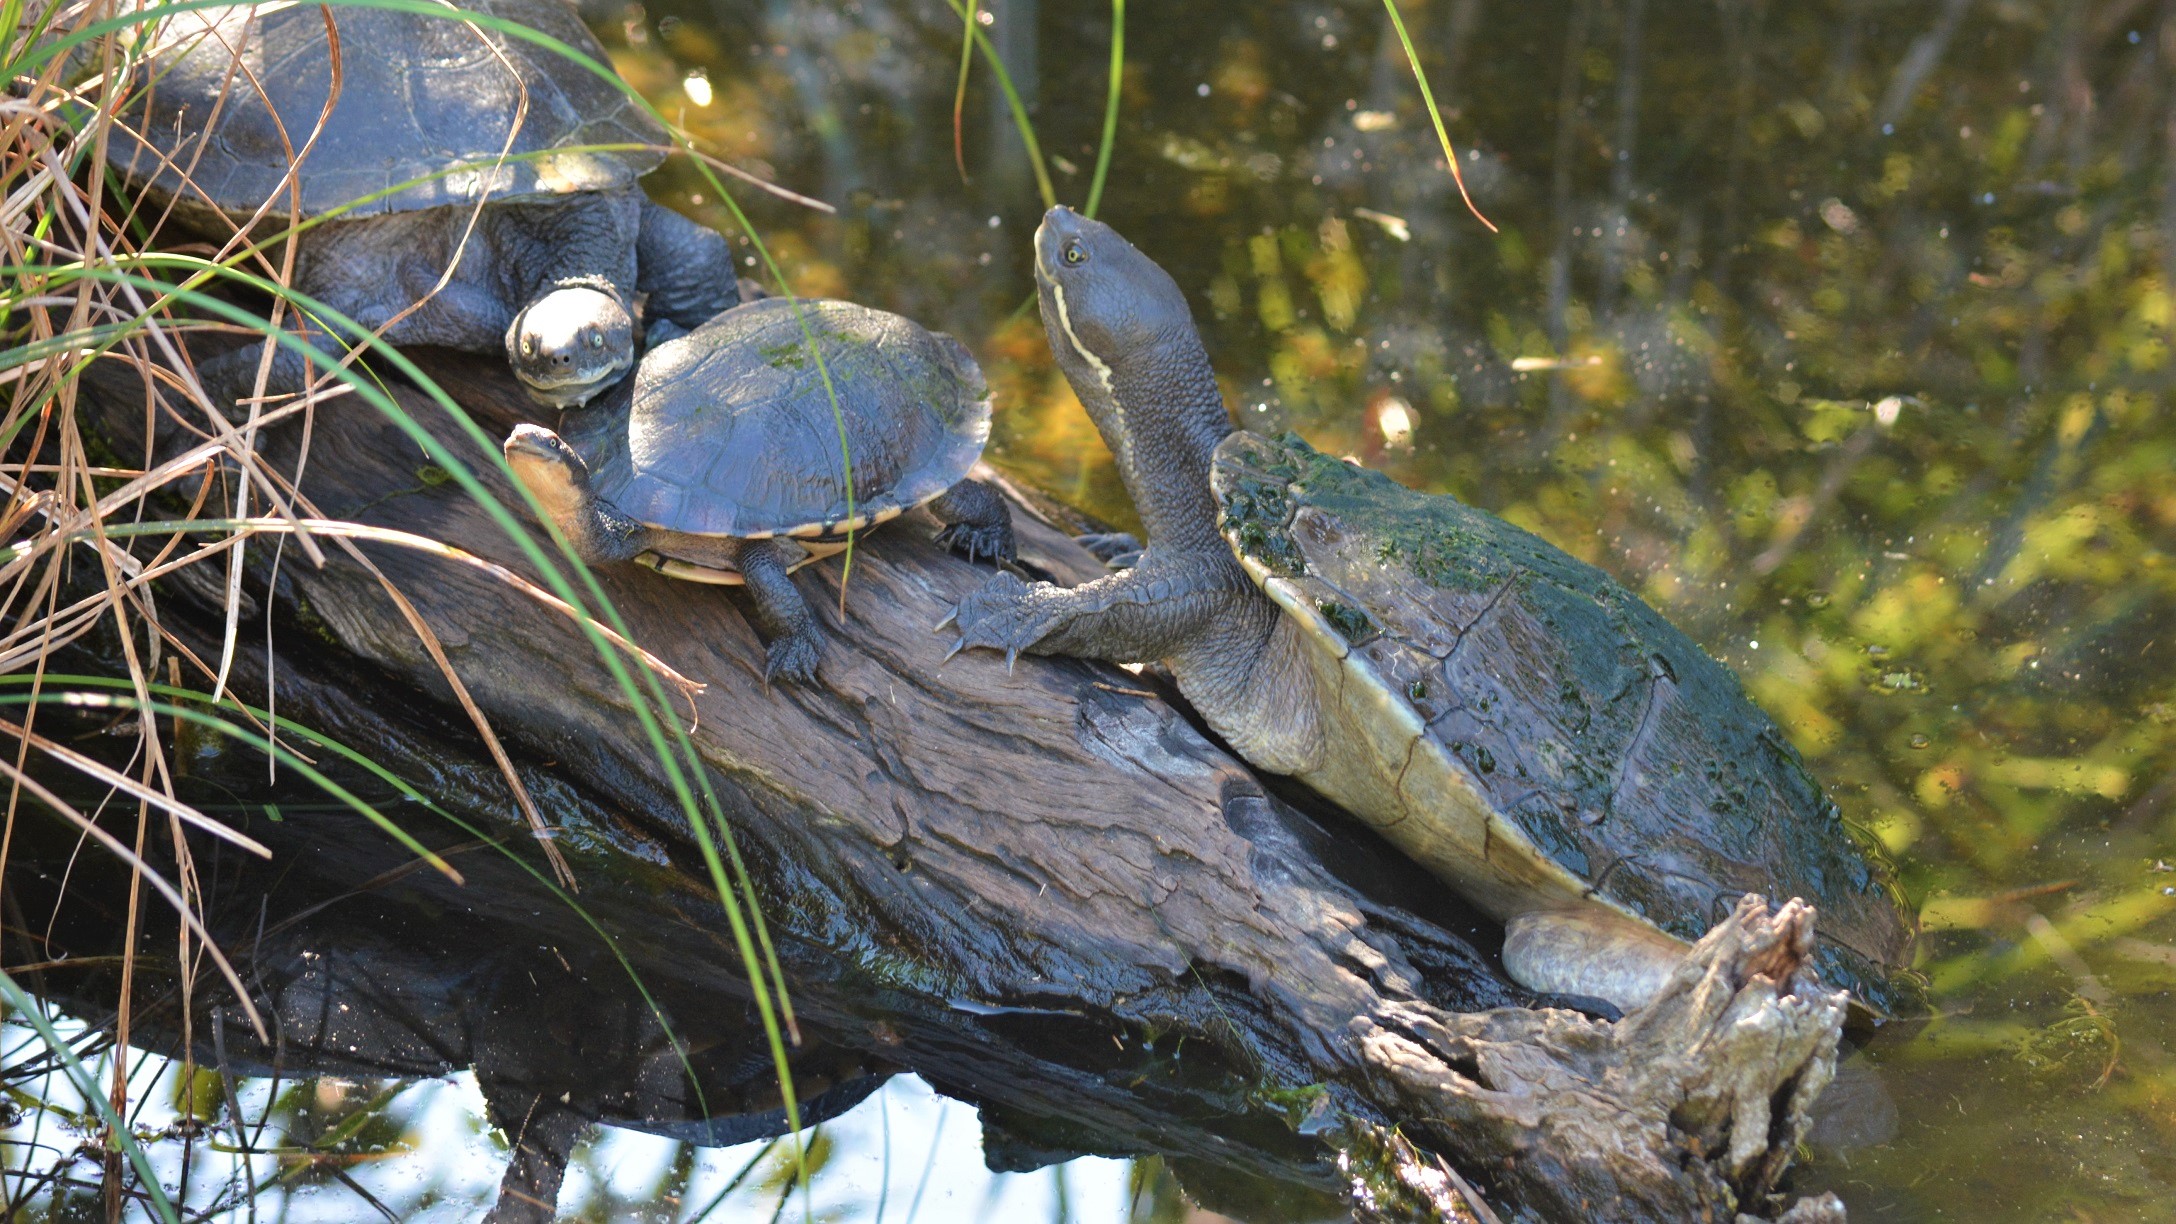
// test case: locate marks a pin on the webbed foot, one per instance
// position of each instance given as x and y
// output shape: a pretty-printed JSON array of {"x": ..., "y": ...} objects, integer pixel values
[
  {"x": 1007, "y": 614},
  {"x": 658, "y": 331},
  {"x": 993, "y": 542},
  {"x": 792, "y": 659},
  {"x": 1115, "y": 549},
  {"x": 977, "y": 522}
]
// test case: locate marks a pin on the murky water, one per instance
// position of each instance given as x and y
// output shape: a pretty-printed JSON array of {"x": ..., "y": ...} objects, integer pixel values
[{"x": 1840, "y": 332}]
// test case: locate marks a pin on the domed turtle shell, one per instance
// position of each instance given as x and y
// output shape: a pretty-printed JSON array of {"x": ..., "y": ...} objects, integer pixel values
[
  {"x": 1533, "y": 719},
  {"x": 731, "y": 432},
  {"x": 417, "y": 94}
]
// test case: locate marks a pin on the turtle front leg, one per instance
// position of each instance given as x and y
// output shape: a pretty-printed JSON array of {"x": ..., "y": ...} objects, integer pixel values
[
  {"x": 1153, "y": 611},
  {"x": 231, "y": 376},
  {"x": 795, "y": 643},
  {"x": 687, "y": 271},
  {"x": 977, "y": 522}
]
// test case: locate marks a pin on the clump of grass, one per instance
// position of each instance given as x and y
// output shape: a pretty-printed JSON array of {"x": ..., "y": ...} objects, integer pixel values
[{"x": 95, "y": 280}]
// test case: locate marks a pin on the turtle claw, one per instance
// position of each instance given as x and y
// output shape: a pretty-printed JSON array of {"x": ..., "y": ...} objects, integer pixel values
[
  {"x": 791, "y": 659},
  {"x": 949, "y": 617},
  {"x": 1006, "y": 614},
  {"x": 993, "y": 541}
]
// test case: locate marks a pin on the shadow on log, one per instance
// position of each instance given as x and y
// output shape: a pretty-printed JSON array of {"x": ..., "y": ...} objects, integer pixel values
[{"x": 1025, "y": 885}]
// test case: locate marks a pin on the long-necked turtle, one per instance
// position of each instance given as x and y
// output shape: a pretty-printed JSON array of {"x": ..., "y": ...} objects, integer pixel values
[
  {"x": 1509, "y": 716},
  {"x": 720, "y": 461},
  {"x": 230, "y": 99}
]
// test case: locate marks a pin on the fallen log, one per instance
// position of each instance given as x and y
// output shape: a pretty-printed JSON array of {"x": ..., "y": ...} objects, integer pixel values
[{"x": 995, "y": 876}]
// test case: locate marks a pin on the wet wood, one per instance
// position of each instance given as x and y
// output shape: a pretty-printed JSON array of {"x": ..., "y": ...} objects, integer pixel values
[{"x": 1028, "y": 885}]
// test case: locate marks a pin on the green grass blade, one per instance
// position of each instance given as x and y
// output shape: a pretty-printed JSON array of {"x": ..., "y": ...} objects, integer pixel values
[
  {"x": 413, "y": 794},
  {"x": 1428, "y": 98},
  {"x": 676, "y": 753},
  {"x": 959, "y": 91},
  {"x": 1019, "y": 109},
  {"x": 266, "y": 746},
  {"x": 1110, "y": 107},
  {"x": 86, "y": 1086}
]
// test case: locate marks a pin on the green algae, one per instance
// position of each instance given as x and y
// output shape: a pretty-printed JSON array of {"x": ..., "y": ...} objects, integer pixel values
[
  {"x": 1351, "y": 623},
  {"x": 1552, "y": 705}
]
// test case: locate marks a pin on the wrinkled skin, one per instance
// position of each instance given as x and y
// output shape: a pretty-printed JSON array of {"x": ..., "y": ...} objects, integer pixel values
[{"x": 1270, "y": 675}]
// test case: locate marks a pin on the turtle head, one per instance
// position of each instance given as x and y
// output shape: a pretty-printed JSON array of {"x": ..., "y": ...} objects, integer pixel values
[
  {"x": 551, "y": 471},
  {"x": 1106, "y": 306},
  {"x": 571, "y": 343},
  {"x": 1120, "y": 329}
]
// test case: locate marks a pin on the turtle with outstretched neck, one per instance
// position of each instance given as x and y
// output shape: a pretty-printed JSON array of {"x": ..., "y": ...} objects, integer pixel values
[{"x": 1512, "y": 718}]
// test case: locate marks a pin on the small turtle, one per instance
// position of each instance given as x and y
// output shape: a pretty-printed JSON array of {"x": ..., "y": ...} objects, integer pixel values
[
  {"x": 720, "y": 461},
  {"x": 1512, "y": 718},
  {"x": 230, "y": 99}
]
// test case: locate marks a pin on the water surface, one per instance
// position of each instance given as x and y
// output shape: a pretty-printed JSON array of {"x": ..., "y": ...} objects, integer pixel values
[{"x": 1840, "y": 332}]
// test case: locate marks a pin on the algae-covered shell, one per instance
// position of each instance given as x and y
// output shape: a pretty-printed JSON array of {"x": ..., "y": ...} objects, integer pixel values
[
  {"x": 1534, "y": 726},
  {"x": 227, "y": 98},
  {"x": 733, "y": 432}
]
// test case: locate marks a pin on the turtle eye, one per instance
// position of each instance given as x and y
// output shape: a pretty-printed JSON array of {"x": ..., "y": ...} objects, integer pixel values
[
  {"x": 528, "y": 346},
  {"x": 596, "y": 339},
  {"x": 1073, "y": 253}
]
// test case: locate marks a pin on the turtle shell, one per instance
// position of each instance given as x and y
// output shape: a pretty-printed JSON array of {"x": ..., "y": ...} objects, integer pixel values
[
  {"x": 417, "y": 94},
  {"x": 732, "y": 432},
  {"x": 1475, "y": 665}
]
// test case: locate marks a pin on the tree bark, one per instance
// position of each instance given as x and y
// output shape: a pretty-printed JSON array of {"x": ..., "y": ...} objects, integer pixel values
[{"x": 1042, "y": 887}]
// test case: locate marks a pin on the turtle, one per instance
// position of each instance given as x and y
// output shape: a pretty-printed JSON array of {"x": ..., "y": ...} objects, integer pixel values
[
  {"x": 1512, "y": 718},
  {"x": 548, "y": 269},
  {"x": 720, "y": 460}
]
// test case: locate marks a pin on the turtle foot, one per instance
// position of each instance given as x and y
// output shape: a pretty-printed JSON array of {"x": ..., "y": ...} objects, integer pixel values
[
  {"x": 991, "y": 541},
  {"x": 658, "y": 331},
  {"x": 792, "y": 659},
  {"x": 1594, "y": 1007},
  {"x": 1115, "y": 549},
  {"x": 1006, "y": 614}
]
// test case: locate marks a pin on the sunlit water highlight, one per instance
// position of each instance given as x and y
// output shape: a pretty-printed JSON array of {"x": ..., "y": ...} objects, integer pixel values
[{"x": 432, "y": 1157}]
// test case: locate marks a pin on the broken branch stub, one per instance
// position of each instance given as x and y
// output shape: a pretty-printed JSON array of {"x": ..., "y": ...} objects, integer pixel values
[{"x": 1721, "y": 1066}]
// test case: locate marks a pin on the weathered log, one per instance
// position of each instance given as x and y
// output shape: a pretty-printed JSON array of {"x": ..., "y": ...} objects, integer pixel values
[{"x": 985, "y": 874}]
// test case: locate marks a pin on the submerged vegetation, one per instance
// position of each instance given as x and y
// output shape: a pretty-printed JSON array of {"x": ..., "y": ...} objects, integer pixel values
[{"x": 1840, "y": 333}]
